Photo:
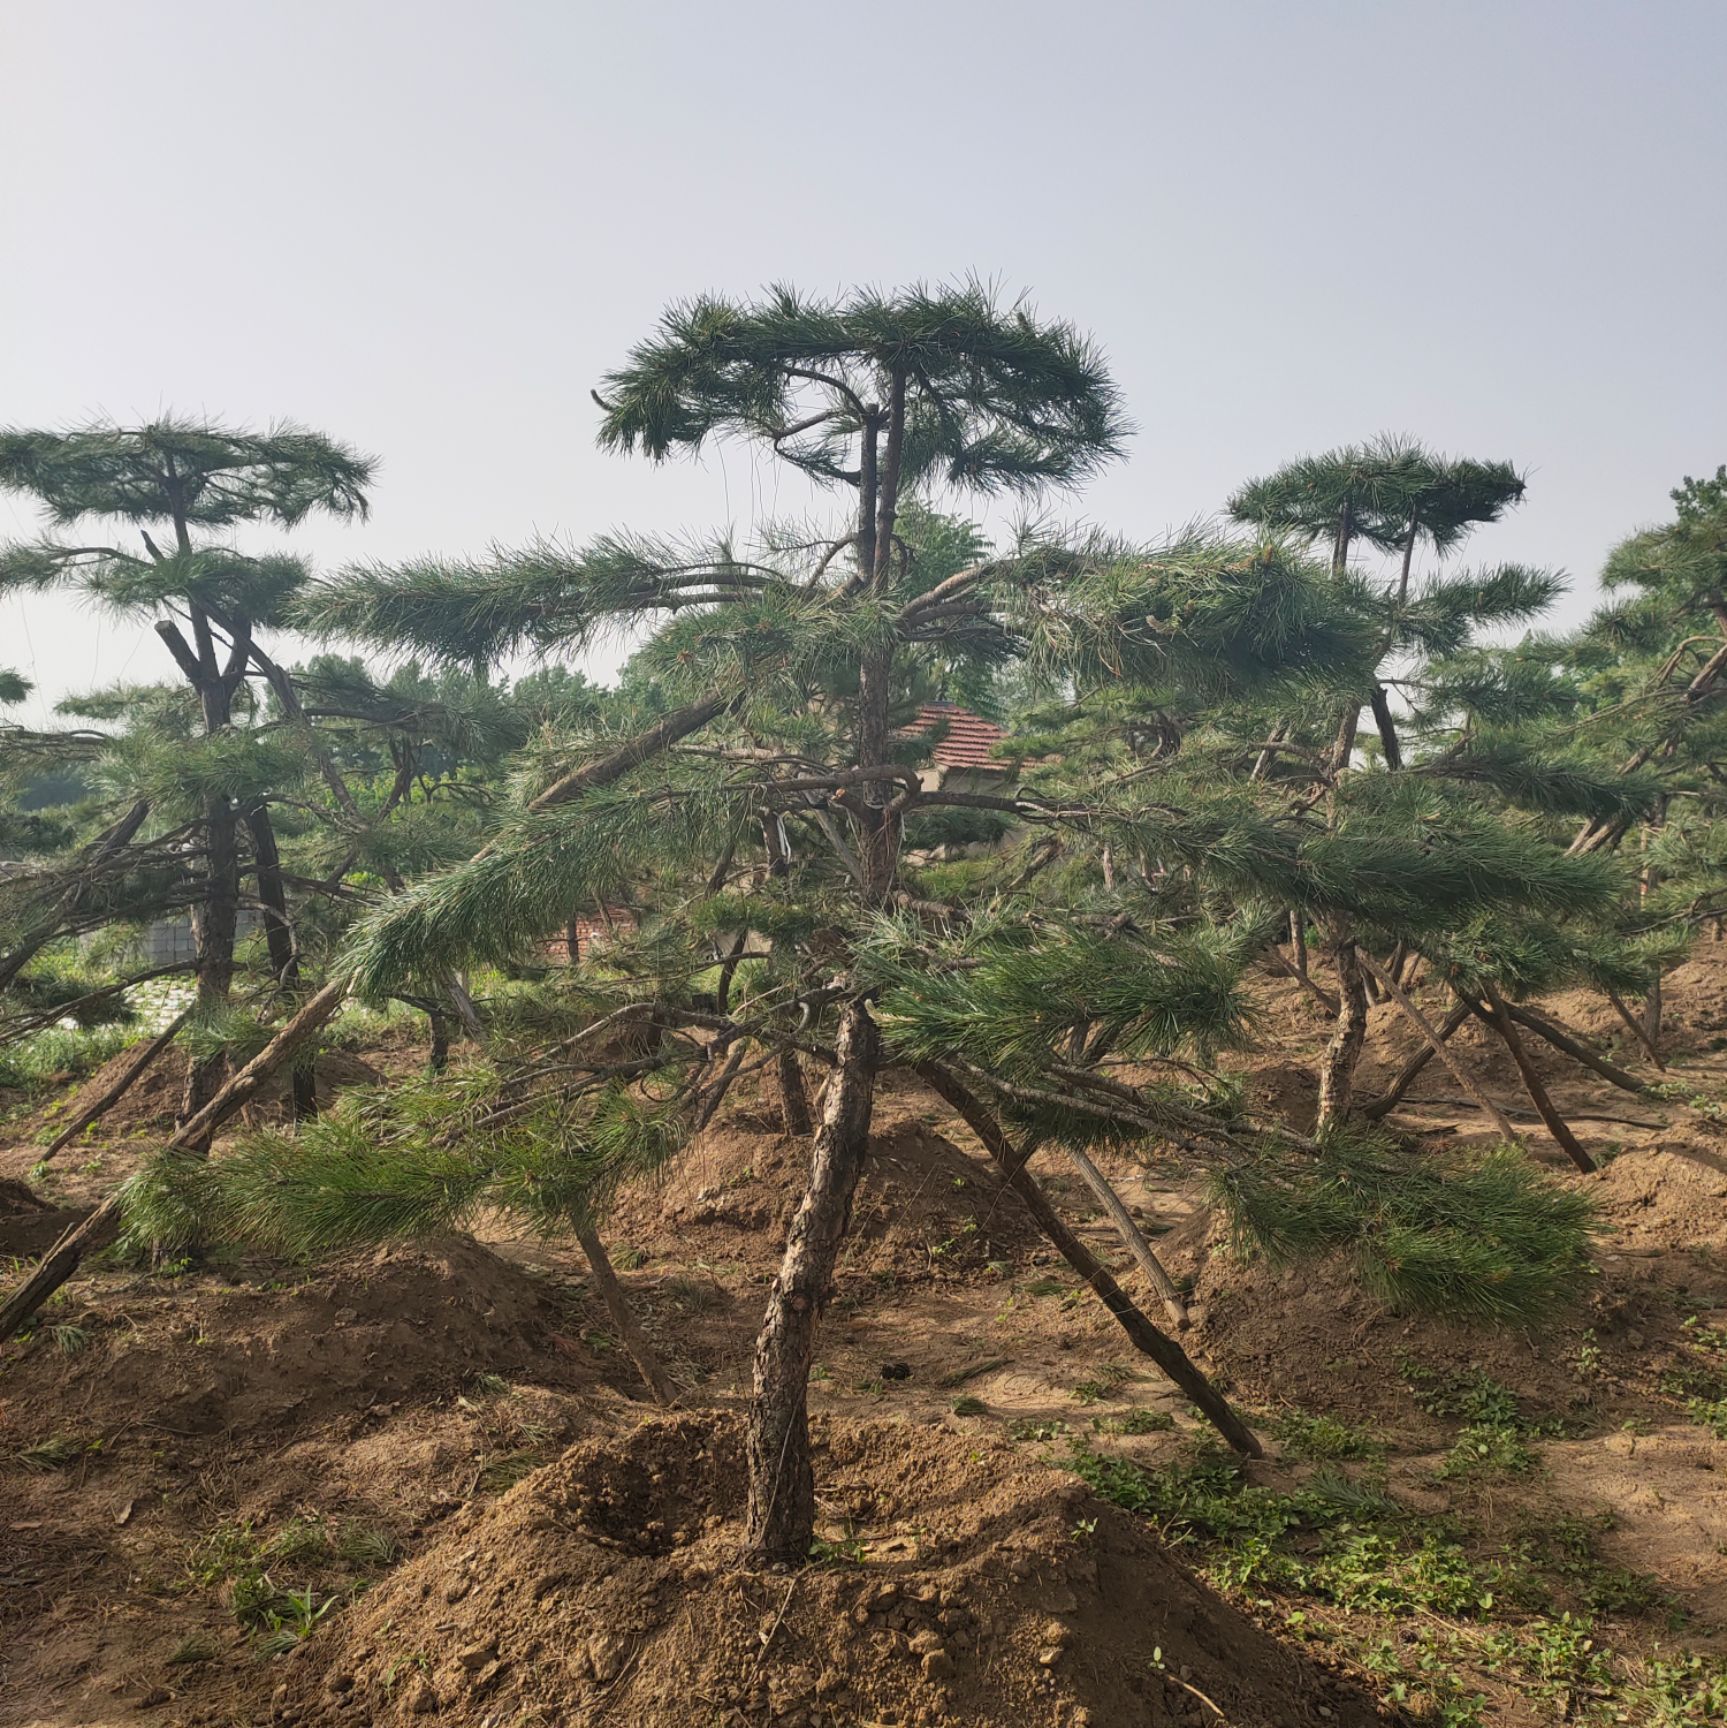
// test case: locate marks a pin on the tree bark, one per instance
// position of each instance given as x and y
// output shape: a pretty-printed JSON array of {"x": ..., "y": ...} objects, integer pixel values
[
  {"x": 283, "y": 948},
  {"x": 214, "y": 925},
  {"x": 1441, "y": 1049},
  {"x": 1128, "y": 1229},
  {"x": 1493, "y": 1013},
  {"x": 1575, "y": 1048},
  {"x": 635, "y": 1340},
  {"x": 1145, "y": 1337},
  {"x": 438, "y": 1056},
  {"x": 1637, "y": 1029},
  {"x": 1343, "y": 1052},
  {"x": 794, "y": 1096},
  {"x": 1381, "y": 705},
  {"x": 781, "y": 1515},
  {"x": 680, "y": 723}
]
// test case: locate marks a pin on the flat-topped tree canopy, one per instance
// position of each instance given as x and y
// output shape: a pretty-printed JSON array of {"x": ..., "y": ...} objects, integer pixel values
[
  {"x": 182, "y": 470},
  {"x": 1384, "y": 492},
  {"x": 183, "y": 474},
  {"x": 996, "y": 399},
  {"x": 173, "y": 469}
]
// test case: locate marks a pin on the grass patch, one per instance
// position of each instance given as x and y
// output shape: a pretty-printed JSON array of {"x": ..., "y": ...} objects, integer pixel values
[
  {"x": 1464, "y": 1611},
  {"x": 1322, "y": 1437}
]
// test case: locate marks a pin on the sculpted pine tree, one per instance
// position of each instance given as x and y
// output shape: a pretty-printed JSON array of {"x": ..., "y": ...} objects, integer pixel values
[
  {"x": 1392, "y": 496},
  {"x": 184, "y": 480}
]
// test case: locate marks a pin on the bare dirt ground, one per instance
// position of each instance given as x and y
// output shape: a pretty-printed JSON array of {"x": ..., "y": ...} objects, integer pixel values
[{"x": 424, "y": 1483}]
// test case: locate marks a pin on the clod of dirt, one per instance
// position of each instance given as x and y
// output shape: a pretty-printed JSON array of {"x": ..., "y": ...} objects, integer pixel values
[{"x": 966, "y": 1589}]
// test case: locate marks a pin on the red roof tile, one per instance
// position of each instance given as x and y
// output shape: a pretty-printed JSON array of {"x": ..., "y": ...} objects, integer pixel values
[{"x": 968, "y": 740}]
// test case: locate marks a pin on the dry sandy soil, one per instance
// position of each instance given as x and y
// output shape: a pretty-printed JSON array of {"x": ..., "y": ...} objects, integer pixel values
[{"x": 436, "y": 1462}]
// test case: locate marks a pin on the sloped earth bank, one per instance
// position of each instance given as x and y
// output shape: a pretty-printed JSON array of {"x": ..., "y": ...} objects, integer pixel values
[
  {"x": 186, "y": 1457},
  {"x": 169, "y": 1445},
  {"x": 965, "y": 1589}
]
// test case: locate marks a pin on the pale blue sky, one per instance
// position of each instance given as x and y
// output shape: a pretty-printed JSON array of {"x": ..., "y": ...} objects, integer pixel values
[{"x": 428, "y": 228}]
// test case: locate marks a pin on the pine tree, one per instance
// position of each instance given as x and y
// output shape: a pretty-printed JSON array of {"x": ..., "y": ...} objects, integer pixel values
[{"x": 208, "y": 601}]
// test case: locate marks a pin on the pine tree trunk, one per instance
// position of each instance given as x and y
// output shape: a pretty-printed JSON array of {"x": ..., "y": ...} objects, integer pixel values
[
  {"x": 1349, "y": 1036},
  {"x": 1381, "y": 704},
  {"x": 781, "y": 1517},
  {"x": 794, "y": 1096},
  {"x": 1441, "y": 1049},
  {"x": 438, "y": 1056},
  {"x": 1411, "y": 1070},
  {"x": 635, "y": 1340},
  {"x": 214, "y": 924},
  {"x": 1562, "y": 1040},
  {"x": 1145, "y": 1337},
  {"x": 1494, "y": 1015},
  {"x": 284, "y": 950},
  {"x": 103, "y": 1225},
  {"x": 1636, "y": 1027},
  {"x": 1155, "y": 1273}
]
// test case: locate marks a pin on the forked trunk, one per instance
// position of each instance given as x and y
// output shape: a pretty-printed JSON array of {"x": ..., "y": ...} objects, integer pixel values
[
  {"x": 782, "y": 1507},
  {"x": 1440, "y": 1047},
  {"x": 1349, "y": 1035},
  {"x": 1412, "y": 1069}
]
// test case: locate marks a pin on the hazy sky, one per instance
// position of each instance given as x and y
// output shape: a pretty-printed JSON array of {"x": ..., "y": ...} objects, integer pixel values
[{"x": 428, "y": 228}]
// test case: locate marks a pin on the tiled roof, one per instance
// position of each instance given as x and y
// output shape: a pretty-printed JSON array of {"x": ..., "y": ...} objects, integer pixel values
[{"x": 968, "y": 741}]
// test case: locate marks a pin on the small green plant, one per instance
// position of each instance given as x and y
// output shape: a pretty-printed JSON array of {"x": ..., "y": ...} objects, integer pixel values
[
  {"x": 1322, "y": 1437},
  {"x": 68, "y": 1339},
  {"x": 1474, "y": 1398},
  {"x": 1484, "y": 1450},
  {"x": 367, "y": 1547},
  {"x": 290, "y": 1617},
  {"x": 197, "y": 1648},
  {"x": 54, "y": 1453},
  {"x": 837, "y": 1551},
  {"x": 506, "y": 1469},
  {"x": 1711, "y": 1413},
  {"x": 967, "y": 1405},
  {"x": 1135, "y": 1422},
  {"x": 1032, "y": 1428}
]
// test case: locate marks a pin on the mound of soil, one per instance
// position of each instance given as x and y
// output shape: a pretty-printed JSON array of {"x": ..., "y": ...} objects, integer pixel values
[
  {"x": 150, "y": 1102},
  {"x": 924, "y": 1208},
  {"x": 1310, "y": 1335},
  {"x": 1658, "y": 1199},
  {"x": 260, "y": 1359},
  {"x": 973, "y": 1591},
  {"x": 29, "y": 1225}
]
